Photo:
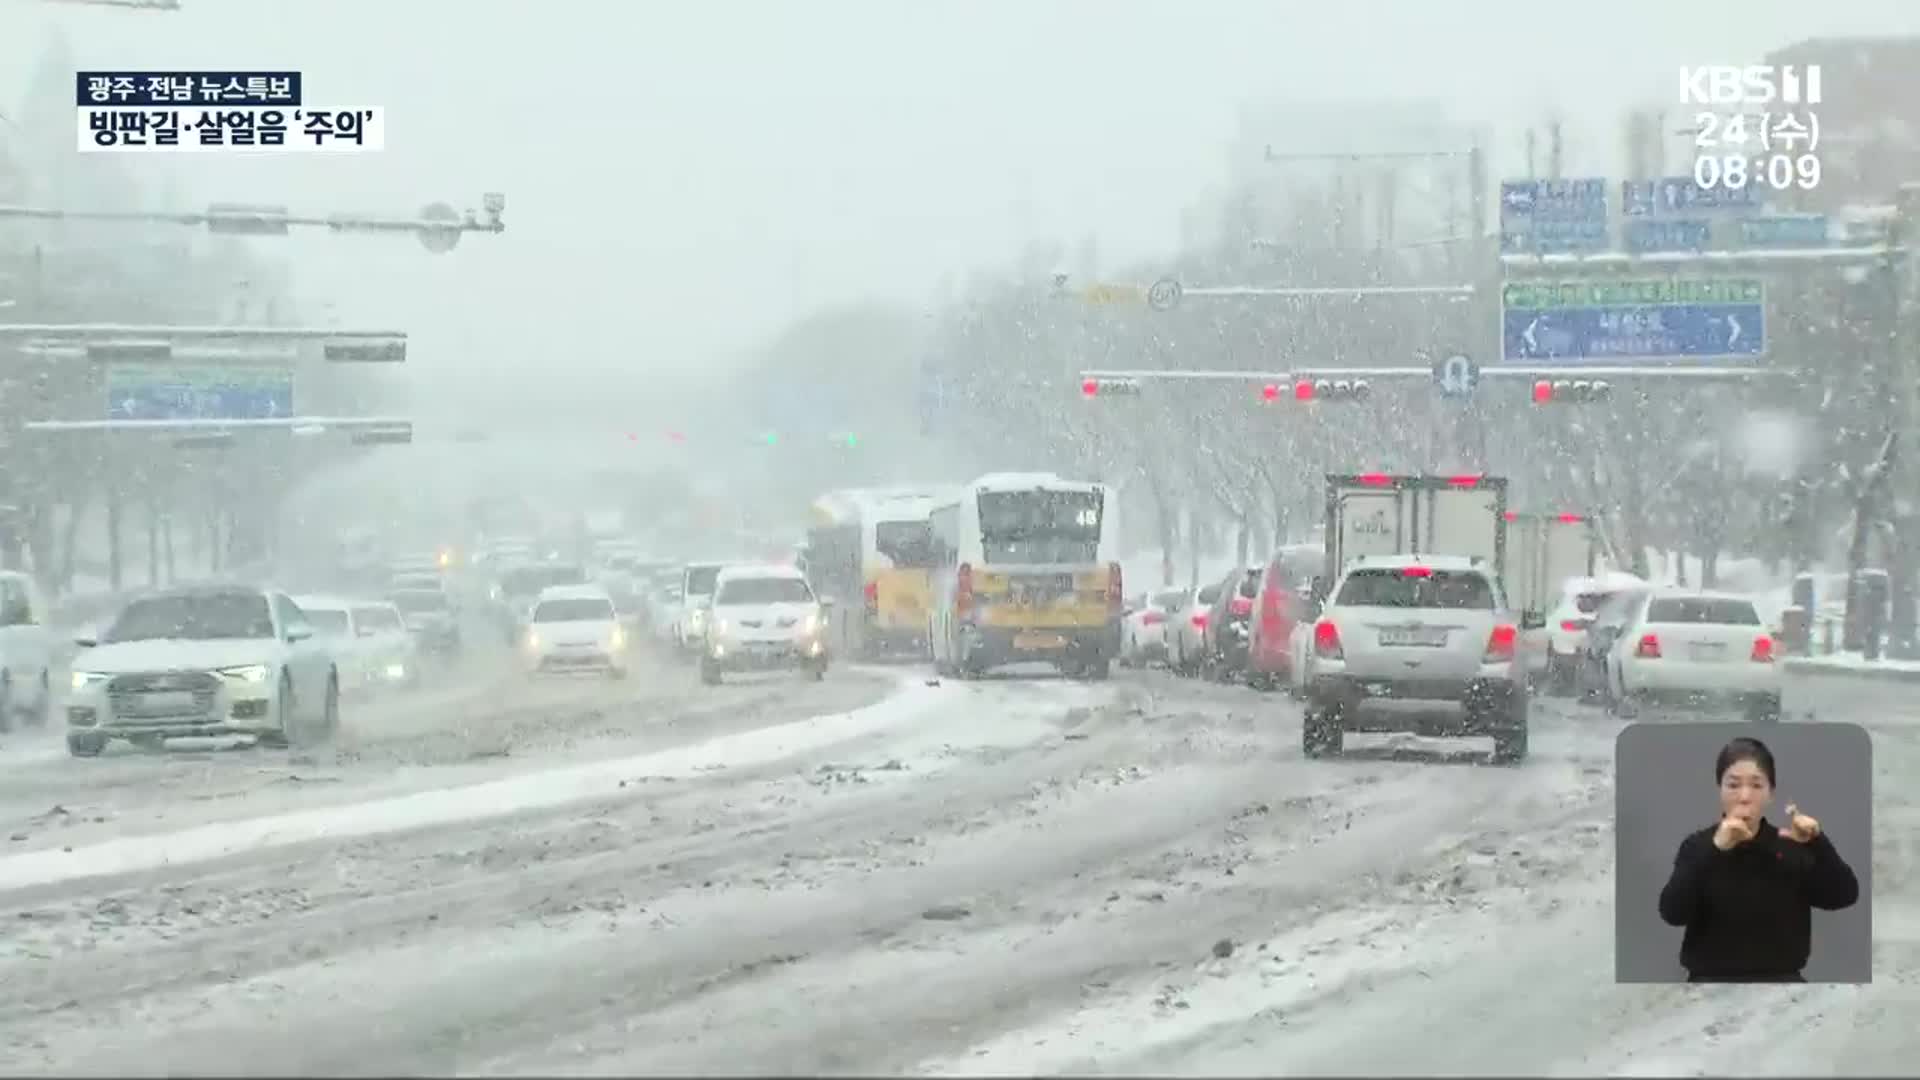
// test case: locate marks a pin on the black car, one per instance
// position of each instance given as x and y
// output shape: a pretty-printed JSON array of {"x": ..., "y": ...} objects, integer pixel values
[
  {"x": 430, "y": 618},
  {"x": 1229, "y": 633},
  {"x": 1608, "y": 619}
]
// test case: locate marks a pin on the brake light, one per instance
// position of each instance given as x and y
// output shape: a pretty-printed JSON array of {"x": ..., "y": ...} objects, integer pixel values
[
  {"x": 1573, "y": 626},
  {"x": 873, "y": 594},
  {"x": 1763, "y": 649},
  {"x": 1375, "y": 479},
  {"x": 1115, "y": 588},
  {"x": 1416, "y": 571},
  {"x": 1240, "y": 605},
  {"x": 1200, "y": 619},
  {"x": 1500, "y": 643},
  {"x": 1153, "y": 618},
  {"x": 1511, "y": 516},
  {"x": 1326, "y": 640},
  {"x": 1463, "y": 481},
  {"x": 1649, "y": 647},
  {"x": 1571, "y": 519},
  {"x": 963, "y": 590}
]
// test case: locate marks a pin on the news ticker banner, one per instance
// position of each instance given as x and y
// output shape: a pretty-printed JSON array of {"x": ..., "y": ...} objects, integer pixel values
[{"x": 209, "y": 111}]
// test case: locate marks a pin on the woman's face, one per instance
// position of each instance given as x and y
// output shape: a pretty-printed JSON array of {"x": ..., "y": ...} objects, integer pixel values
[{"x": 1744, "y": 792}]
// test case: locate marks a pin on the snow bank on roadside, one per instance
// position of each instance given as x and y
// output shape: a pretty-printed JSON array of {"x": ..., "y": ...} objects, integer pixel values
[{"x": 497, "y": 798}]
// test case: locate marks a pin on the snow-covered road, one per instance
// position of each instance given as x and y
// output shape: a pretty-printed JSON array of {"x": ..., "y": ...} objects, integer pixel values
[{"x": 1009, "y": 876}]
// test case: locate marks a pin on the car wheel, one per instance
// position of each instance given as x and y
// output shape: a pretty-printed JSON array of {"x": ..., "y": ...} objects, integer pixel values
[
  {"x": 288, "y": 717},
  {"x": 710, "y": 673},
  {"x": 43, "y": 705},
  {"x": 1099, "y": 670},
  {"x": 86, "y": 743},
  {"x": 6, "y": 702},
  {"x": 330, "y": 725}
]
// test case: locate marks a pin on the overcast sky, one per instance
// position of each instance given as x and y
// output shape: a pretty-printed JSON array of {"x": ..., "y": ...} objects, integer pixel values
[{"x": 684, "y": 177}]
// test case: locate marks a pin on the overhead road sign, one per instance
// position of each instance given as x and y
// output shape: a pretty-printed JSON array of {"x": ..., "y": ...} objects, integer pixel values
[
  {"x": 1544, "y": 216},
  {"x": 1707, "y": 372},
  {"x": 1643, "y": 319},
  {"x": 299, "y": 425},
  {"x": 1792, "y": 231},
  {"x": 1456, "y": 376},
  {"x": 1610, "y": 262},
  {"x": 174, "y": 334},
  {"x": 1682, "y": 195},
  {"x": 1666, "y": 234},
  {"x": 155, "y": 392}
]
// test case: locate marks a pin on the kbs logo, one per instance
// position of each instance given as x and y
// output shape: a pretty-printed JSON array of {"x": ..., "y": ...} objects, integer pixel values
[{"x": 1756, "y": 84}]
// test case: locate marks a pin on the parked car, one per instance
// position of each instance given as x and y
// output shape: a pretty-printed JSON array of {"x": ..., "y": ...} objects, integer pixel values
[
  {"x": 1189, "y": 637},
  {"x": 1143, "y": 632}
]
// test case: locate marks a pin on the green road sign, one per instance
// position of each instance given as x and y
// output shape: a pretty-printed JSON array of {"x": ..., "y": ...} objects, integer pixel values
[{"x": 1631, "y": 292}]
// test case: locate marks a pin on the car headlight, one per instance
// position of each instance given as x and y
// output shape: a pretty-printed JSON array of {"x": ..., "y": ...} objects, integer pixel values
[
  {"x": 396, "y": 671},
  {"x": 248, "y": 673},
  {"x": 84, "y": 679},
  {"x": 810, "y": 624},
  {"x": 721, "y": 627},
  {"x": 619, "y": 638},
  {"x": 533, "y": 640}
]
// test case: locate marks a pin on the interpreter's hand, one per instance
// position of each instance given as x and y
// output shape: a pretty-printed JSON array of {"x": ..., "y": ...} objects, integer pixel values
[
  {"x": 1800, "y": 828},
  {"x": 1733, "y": 832}
]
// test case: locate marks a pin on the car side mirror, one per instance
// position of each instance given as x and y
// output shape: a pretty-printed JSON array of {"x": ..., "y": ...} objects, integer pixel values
[
  {"x": 298, "y": 634},
  {"x": 1532, "y": 620},
  {"x": 827, "y": 603},
  {"x": 86, "y": 641}
]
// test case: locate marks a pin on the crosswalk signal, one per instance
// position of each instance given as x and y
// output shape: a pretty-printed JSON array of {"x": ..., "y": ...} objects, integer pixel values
[
  {"x": 1571, "y": 391},
  {"x": 1332, "y": 390}
]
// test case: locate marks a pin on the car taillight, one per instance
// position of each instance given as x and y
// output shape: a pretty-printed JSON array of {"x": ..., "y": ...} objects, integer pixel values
[
  {"x": 1649, "y": 647},
  {"x": 1115, "y": 588},
  {"x": 1573, "y": 626},
  {"x": 1326, "y": 640},
  {"x": 963, "y": 589},
  {"x": 873, "y": 594},
  {"x": 1763, "y": 649},
  {"x": 1153, "y": 618},
  {"x": 1500, "y": 643},
  {"x": 1200, "y": 619},
  {"x": 1240, "y": 605}
]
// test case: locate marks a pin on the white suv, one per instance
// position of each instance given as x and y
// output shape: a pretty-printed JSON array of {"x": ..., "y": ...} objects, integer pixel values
[
  {"x": 763, "y": 617},
  {"x": 1421, "y": 644}
]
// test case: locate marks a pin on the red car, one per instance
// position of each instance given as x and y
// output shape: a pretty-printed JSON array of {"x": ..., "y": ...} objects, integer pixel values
[{"x": 1284, "y": 601}]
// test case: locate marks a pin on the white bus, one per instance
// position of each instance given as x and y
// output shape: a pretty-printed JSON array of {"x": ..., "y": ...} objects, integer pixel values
[{"x": 1026, "y": 568}]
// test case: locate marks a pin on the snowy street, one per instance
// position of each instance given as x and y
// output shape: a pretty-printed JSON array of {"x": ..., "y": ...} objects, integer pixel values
[{"x": 1006, "y": 876}]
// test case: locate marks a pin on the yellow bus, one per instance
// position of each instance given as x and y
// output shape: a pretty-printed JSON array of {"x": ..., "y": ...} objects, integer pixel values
[{"x": 871, "y": 550}]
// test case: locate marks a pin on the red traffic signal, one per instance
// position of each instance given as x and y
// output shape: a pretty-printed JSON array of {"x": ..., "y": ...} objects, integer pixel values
[
  {"x": 1571, "y": 391},
  {"x": 1109, "y": 387},
  {"x": 1270, "y": 392},
  {"x": 1332, "y": 390}
]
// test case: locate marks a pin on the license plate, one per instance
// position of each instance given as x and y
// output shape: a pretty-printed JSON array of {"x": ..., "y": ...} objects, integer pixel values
[
  {"x": 163, "y": 703},
  {"x": 1422, "y": 638},
  {"x": 1039, "y": 641},
  {"x": 1707, "y": 651}
]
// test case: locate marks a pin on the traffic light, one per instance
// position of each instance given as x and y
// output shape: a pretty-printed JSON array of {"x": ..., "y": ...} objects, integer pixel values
[
  {"x": 1093, "y": 388},
  {"x": 847, "y": 439},
  {"x": 1330, "y": 390},
  {"x": 1571, "y": 391}
]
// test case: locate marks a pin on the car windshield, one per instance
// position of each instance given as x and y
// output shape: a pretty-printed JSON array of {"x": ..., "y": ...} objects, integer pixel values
[
  {"x": 1453, "y": 590},
  {"x": 327, "y": 622},
  {"x": 574, "y": 609},
  {"x": 700, "y": 580},
  {"x": 1710, "y": 610},
  {"x": 420, "y": 601},
  {"x": 1208, "y": 595},
  {"x": 1589, "y": 602},
  {"x": 909, "y": 544},
  {"x": 194, "y": 617},
  {"x": 1040, "y": 527},
  {"x": 372, "y": 619},
  {"x": 766, "y": 590}
]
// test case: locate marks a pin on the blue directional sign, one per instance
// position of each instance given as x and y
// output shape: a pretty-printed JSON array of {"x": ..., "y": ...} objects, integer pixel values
[
  {"x": 1625, "y": 321},
  {"x": 169, "y": 392},
  {"x": 1545, "y": 216},
  {"x": 1646, "y": 235},
  {"x": 1671, "y": 195},
  {"x": 1796, "y": 231}
]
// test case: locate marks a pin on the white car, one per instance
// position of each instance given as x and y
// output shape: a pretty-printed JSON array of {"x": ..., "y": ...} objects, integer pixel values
[
  {"x": 1551, "y": 652},
  {"x": 1421, "y": 644},
  {"x": 764, "y": 617},
  {"x": 371, "y": 646},
  {"x": 663, "y": 612},
  {"x": 204, "y": 661},
  {"x": 1143, "y": 633},
  {"x": 1687, "y": 645},
  {"x": 696, "y": 595},
  {"x": 575, "y": 628},
  {"x": 1187, "y": 641},
  {"x": 27, "y": 653}
]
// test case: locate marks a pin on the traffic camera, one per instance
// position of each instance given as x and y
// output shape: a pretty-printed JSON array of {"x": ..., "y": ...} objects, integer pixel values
[{"x": 1571, "y": 391}]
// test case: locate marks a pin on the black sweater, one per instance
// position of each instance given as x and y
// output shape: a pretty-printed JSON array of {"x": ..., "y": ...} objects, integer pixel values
[{"x": 1748, "y": 911}]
